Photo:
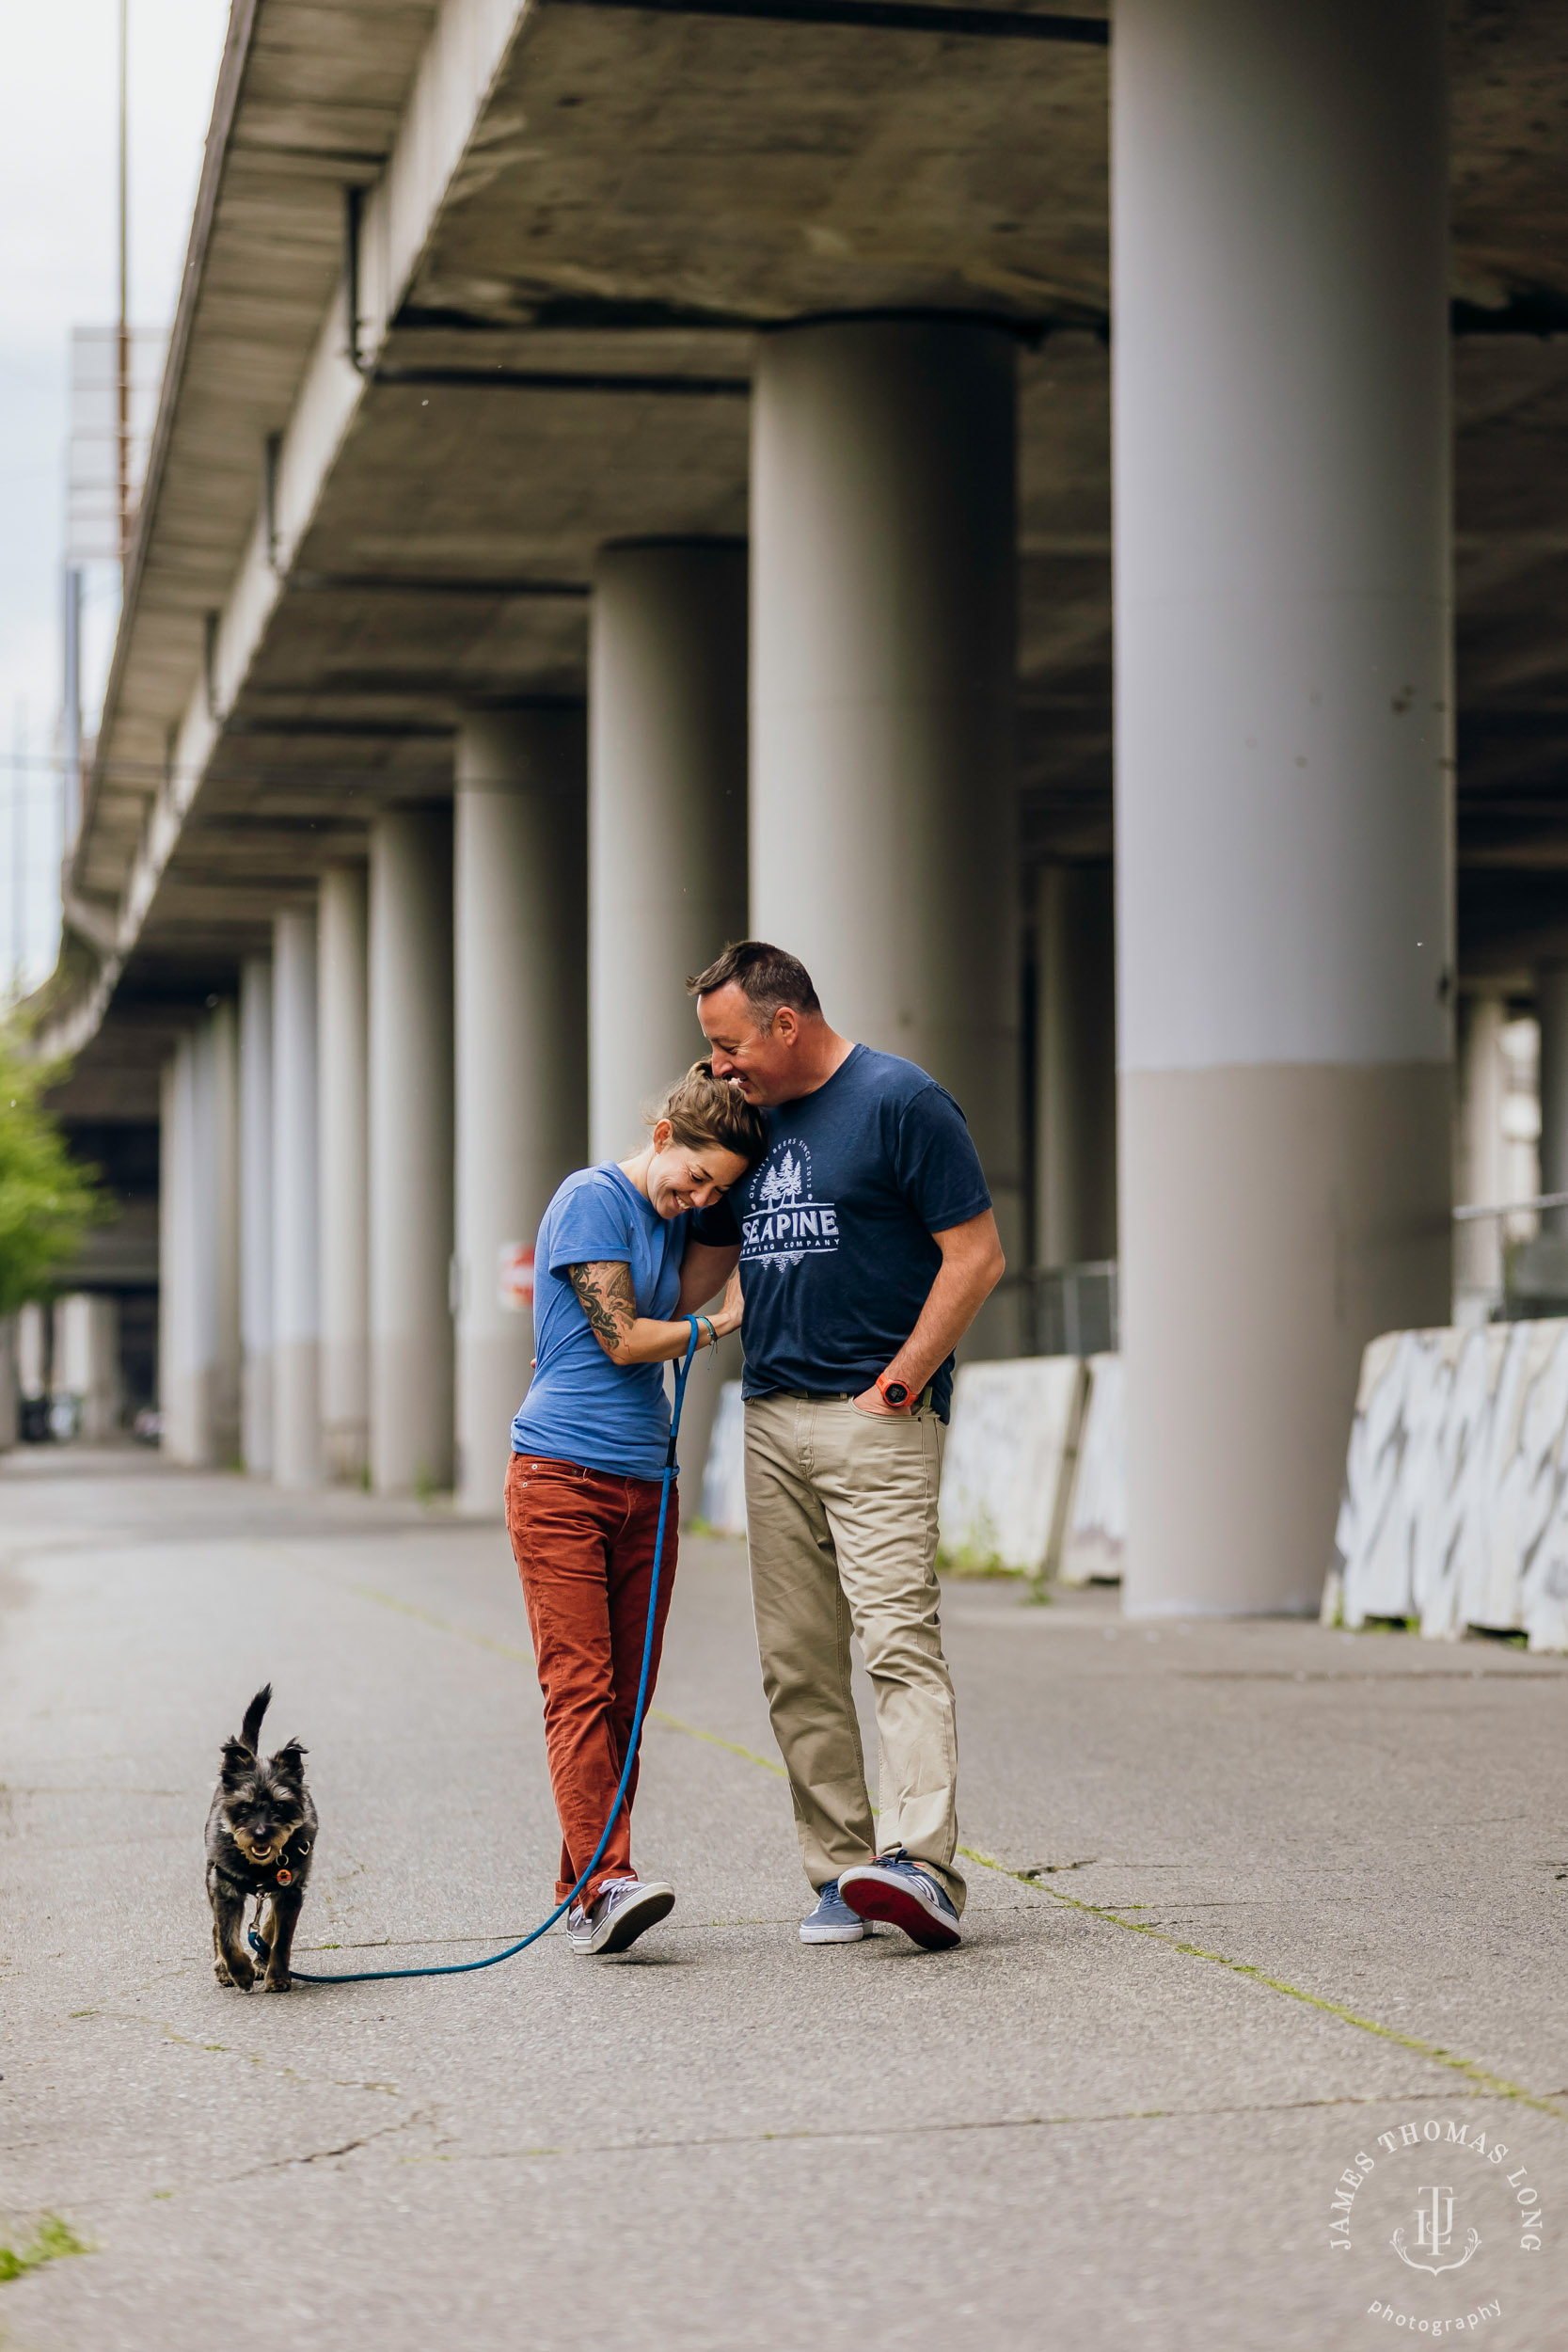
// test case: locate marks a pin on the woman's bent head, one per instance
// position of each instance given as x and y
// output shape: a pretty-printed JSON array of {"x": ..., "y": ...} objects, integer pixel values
[{"x": 705, "y": 1135}]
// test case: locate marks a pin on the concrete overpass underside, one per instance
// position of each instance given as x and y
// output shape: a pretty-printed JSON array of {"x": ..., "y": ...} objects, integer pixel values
[{"x": 476, "y": 291}]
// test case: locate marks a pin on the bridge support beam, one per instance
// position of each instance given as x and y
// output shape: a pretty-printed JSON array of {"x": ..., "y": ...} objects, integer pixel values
[
  {"x": 519, "y": 886},
  {"x": 667, "y": 811},
  {"x": 344, "y": 1175},
  {"x": 667, "y": 879},
  {"x": 296, "y": 1203},
  {"x": 256, "y": 1215},
  {"x": 882, "y": 703},
  {"x": 1283, "y": 797},
  {"x": 1075, "y": 1066},
  {"x": 198, "y": 1321},
  {"x": 411, "y": 1151}
]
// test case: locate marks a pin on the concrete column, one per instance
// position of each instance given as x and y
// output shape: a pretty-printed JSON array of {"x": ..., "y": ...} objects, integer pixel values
[
  {"x": 667, "y": 698},
  {"x": 666, "y": 812},
  {"x": 32, "y": 1349},
  {"x": 883, "y": 821},
  {"x": 344, "y": 1175},
  {"x": 11, "y": 1394},
  {"x": 219, "y": 1044},
  {"x": 519, "y": 890},
  {"x": 1551, "y": 1012},
  {"x": 296, "y": 1213},
  {"x": 1480, "y": 1174},
  {"x": 411, "y": 1151},
  {"x": 176, "y": 1256},
  {"x": 1075, "y": 1066},
  {"x": 86, "y": 1361},
  {"x": 256, "y": 1215},
  {"x": 199, "y": 1245},
  {"x": 1283, "y": 782}
]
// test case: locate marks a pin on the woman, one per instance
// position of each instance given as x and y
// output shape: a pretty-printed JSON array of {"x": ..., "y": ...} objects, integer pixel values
[{"x": 612, "y": 1270}]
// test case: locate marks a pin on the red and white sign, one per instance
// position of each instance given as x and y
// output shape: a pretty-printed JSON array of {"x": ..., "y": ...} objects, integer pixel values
[{"x": 514, "y": 1277}]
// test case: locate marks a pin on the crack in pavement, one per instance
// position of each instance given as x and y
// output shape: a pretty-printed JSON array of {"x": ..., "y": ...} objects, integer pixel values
[
  {"x": 321, "y": 2155},
  {"x": 110, "y": 2203},
  {"x": 1499, "y": 2086},
  {"x": 223, "y": 2049},
  {"x": 853, "y": 2131}
]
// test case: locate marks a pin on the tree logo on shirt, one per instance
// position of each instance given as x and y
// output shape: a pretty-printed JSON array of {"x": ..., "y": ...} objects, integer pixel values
[
  {"x": 781, "y": 1187},
  {"x": 783, "y": 1224}
]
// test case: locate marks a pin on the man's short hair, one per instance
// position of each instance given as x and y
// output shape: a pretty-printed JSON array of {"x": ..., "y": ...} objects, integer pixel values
[{"x": 766, "y": 976}]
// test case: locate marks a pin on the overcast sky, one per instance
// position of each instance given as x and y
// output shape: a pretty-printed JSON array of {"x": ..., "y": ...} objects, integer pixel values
[{"x": 58, "y": 86}]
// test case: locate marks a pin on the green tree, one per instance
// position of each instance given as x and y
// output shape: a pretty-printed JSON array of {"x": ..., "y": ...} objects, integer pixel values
[{"x": 47, "y": 1203}]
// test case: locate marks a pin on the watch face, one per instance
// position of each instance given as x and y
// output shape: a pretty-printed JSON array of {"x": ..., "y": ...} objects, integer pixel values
[{"x": 896, "y": 1393}]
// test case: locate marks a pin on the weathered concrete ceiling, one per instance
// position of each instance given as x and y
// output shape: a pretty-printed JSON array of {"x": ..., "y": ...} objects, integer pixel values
[
  {"x": 639, "y": 162},
  {"x": 635, "y": 195},
  {"x": 309, "y": 93}
]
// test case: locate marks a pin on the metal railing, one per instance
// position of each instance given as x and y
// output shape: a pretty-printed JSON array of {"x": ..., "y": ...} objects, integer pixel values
[
  {"x": 1511, "y": 1208},
  {"x": 1515, "y": 1273},
  {"x": 1071, "y": 1309}
]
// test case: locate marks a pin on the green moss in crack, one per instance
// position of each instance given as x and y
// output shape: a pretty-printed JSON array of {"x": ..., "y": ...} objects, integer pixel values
[{"x": 52, "y": 2241}]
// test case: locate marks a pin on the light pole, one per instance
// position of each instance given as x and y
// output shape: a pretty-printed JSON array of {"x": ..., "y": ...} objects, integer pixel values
[{"x": 123, "y": 340}]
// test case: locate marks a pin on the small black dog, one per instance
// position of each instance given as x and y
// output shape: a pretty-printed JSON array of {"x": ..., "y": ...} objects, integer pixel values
[{"x": 260, "y": 1834}]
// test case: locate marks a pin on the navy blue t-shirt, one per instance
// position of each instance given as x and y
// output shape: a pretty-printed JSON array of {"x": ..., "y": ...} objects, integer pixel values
[{"x": 836, "y": 1225}]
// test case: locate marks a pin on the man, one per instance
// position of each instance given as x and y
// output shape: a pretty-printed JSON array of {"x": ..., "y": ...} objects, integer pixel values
[{"x": 867, "y": 1246}]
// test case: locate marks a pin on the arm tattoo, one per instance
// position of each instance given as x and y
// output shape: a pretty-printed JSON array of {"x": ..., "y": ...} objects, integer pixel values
[{"x": 605, "y": 1293}]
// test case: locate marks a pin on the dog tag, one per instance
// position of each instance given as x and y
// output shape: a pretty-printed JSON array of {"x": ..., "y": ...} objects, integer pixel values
[{"x": 285, "y": 1878}]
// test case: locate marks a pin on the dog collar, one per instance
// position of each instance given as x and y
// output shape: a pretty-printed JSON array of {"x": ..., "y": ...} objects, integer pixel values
[{"x": 282, "y": 1876}]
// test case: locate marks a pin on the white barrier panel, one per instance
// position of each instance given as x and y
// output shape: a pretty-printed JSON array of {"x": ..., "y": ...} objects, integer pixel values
[
  {"x": 1008, "y": 1447},
  {"x": 723, "y": 1505},
  {"x": 1455, "y": 1510},
  {"x": 1094, "y": 1540}
]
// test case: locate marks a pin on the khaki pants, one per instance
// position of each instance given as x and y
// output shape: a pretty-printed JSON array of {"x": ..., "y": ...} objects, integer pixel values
[{"x": 841, "y": 1515}]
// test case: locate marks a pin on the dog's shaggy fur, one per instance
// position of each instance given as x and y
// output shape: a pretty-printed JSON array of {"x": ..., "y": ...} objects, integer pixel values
[{"x": 260, "y": 1837}]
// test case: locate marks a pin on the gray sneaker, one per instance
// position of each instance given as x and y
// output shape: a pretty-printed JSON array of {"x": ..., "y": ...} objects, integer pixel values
[
  {"x": 622, "y": 1910},
  {"x": 832, "y": 1922}
]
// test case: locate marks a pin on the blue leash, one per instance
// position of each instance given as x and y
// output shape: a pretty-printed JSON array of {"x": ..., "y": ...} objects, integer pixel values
[{"x": 466, "y": 1967}]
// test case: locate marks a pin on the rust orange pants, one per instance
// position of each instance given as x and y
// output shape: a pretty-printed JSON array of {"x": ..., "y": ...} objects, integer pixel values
[{"x": 583, "y": 1541}]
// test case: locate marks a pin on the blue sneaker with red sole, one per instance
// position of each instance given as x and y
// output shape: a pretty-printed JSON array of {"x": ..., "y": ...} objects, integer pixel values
[{"x": 897, "y": 1890}]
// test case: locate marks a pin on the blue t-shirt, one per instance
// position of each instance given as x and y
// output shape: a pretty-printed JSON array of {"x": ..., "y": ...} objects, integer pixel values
[
  {"x": 836, "y": 1225},
  {"x": 580, "y": 1408}
]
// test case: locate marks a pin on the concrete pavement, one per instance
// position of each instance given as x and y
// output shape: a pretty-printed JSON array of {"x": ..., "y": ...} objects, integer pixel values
[{"x": 1296, "y": 1896}]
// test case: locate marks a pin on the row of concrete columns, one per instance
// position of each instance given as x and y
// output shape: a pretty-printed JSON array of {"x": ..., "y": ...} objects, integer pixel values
[
  {"x": 67, "y": 1349},
  {"x": 507, "y": 991},
  {"x": 1283, "y": 895}
]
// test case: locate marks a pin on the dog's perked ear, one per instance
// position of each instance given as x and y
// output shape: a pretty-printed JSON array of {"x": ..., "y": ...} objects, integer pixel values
[
  {"x": 289, "y": 1763},
  {"x": 238, "y": 1760}
]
